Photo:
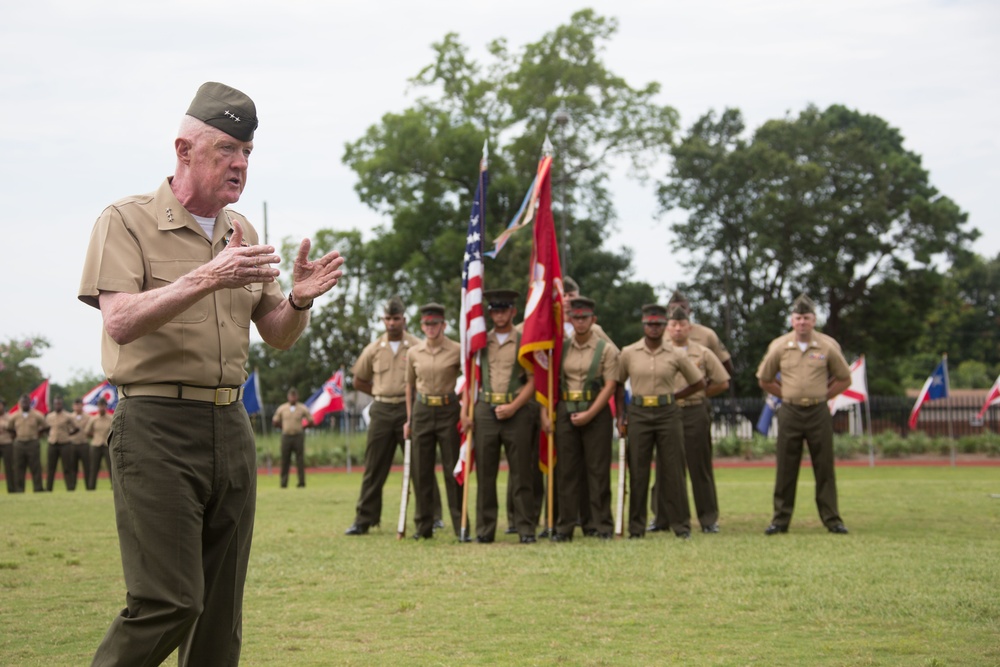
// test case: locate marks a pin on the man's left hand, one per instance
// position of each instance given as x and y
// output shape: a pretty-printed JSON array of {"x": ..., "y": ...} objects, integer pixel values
[{"x": 314, "y": 278}]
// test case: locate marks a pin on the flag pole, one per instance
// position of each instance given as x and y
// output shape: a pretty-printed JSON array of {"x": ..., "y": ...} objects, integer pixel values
[
  {"x": 947, "y": 385},
  {"x": 868, "y": 414},
  {"x": 551, "y": 464},
  {"x": 468, "y": 449}
]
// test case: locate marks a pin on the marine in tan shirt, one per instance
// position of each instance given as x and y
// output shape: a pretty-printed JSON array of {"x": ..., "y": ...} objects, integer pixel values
[
  {"x": 61, "y": 429},
  {"x": 7, "y": 448},
  {"x": 292, "y": 417},
  {"x": 659, "y": 374},
  {"x": 98, "y": 429},
  {"x": 703, "y": 335},
  {"x": 381, "y": 372},
  {"x": 433, "y": 415},
  {"x": 28, "y": 425},
  {"x": 813, "y": 370}
]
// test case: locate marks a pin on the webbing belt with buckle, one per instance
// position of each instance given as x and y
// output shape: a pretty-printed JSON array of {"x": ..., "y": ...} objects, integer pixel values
[
  {"x": 806, "y": 402},
  {"x": 497, "y": 399},
  {"x": 214, "y": 395},
  {"x": 652, "y": 401},
  {"x": 436, "y": 401},
  {"x": 578, "y": 396}
]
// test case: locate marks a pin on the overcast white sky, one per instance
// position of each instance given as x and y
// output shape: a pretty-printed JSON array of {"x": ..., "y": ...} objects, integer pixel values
[{"x": 91, "y": 94}]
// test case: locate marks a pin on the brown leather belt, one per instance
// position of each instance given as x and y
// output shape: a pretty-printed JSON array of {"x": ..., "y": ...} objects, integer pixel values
[{"x": 213, "y": 395}]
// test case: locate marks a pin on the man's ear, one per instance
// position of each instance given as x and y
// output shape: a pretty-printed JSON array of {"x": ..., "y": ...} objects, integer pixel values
[{"x": 183, "y": 149}]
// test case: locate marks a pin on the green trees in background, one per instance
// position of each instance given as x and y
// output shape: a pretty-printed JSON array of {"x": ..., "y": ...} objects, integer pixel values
[{"x": 830, "y": 203}]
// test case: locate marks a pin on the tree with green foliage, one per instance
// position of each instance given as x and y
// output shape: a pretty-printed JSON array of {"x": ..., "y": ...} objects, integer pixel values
[
  {"x": 419, "y": 167},
  {"x": 17, "y": 374},
  {"x": 830, "y": 203}
]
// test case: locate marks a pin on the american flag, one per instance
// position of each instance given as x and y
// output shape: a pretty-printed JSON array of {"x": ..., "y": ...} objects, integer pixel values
[{"x": 472, "y": 327}]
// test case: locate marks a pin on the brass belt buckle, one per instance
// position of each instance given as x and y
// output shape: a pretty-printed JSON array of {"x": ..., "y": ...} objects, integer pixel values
[
  {"x": 229, "y": 395},
  {"x": 434, "y": 401},
  {"x": 574, "y": 395},
  {"x": 650, "y": 401}
]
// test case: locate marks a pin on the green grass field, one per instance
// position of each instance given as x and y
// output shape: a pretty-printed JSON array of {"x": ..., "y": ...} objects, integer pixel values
[{"x": 915, "y": 583}]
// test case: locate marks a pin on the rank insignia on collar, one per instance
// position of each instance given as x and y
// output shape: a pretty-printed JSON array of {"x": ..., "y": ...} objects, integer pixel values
[{"x": 229, "y": 235}]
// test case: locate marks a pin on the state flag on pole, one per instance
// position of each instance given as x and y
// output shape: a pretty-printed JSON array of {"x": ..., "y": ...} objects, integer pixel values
[
  {"x": 104, "y": 390},
  {"x": 39, "y": 400},
  {"x": 993, "y": 398},
  {"x": 251, "y": 394},
  {"x": 543, "y": 320},
  {"x": 857, "y": 392},
  {"x": 771, "y": 405},
  {"x": 936, "y": 387},
  {"x": 472, "y": 323},
  {"x": 328, "y": 399}
]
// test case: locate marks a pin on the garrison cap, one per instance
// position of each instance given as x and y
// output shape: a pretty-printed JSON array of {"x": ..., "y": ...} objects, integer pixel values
[
  {"x": 581, "y": 306},
  {"x": 803, "y": 305},
  {"x": 677, "y": 312},
  {"x": 501, "y": 298},
  {"x": 394, "y": 306},
  {"x": 431, "y": 313},
  {"x": 225, "y": 109},
  {"x": 569, "y": 285},
  {"x": 654, "y": 312}
]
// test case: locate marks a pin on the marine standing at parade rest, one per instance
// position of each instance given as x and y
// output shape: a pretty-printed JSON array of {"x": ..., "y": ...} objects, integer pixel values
[
  {"x": 27, "y": 425},
  {"x": 80, "y": 443},
  {"x": 433, "y": 416},
  {"x": 7, "y": 448},
  {"x": 381, "y": 372},
  {"x": 653, "y": 420},
  {"x": 292, "y": 418},
  {"x": 813, "y": 371},
  {"x": 583, "y": 426},
  {"x": 61, "y": 429},
  {"x": 179, "y": 278},
  {"x": 98, "y": 429},
  {"x": 697, "y": 417},
  {"x": 504, "y": 419}
]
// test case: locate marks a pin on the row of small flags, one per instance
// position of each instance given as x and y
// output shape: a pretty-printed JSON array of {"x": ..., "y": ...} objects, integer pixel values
[{"x": 934, "y": 388}]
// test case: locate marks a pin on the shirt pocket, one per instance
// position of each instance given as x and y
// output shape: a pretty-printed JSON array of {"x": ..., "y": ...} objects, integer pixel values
[
  {"x": 166, "y": 272},
  {"x": 244, "y": 300}
]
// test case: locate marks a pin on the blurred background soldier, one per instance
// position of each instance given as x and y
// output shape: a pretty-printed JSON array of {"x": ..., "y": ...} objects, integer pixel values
[
  {"x": 61, "y": 428},
  {"x": 27, "y": 425},
  {"x": 97, "y": 430},
  {"x": 292, "y": 419},
  {"x": 80, "y": 453},
  {"x": 7, "y": 448},
  {"x": 703, "y": 335}
]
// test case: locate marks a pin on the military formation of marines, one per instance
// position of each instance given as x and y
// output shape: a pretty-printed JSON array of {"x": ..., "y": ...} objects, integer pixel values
[{"x": 671, "y": 374}]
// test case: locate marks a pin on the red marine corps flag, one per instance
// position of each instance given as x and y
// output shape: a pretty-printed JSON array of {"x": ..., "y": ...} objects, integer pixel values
[{"x": 541, "y": 342}]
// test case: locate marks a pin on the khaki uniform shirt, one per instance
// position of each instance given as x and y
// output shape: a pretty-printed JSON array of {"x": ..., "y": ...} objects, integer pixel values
[
  {"x": 80, "y": 421},
  {"x": 289, "y": 418},
  {"x": 5, "y": 425},
  {"x": 27, "y": 426},
  {"x": 576, "y": 360},
  {"x": 144, "y": 242},
  {"x": 804, "y": 375},
  {"x": 665, "y": 370},
  {"x": 706, "y": 362},
  {"x": 383, "y": 368},
  {"x": 61, "y": 424},
  {"x": 434, "y": 371},
  {"x": 502, "y": 360},
  {"x": 98, "y": 429},
  {"x": 708, "y": 338}
]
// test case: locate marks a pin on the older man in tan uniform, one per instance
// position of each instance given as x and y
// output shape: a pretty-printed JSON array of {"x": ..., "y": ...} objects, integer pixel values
[
  {"x": 433, "y": 415},
  {"x": 659, "y": 374},
  {"x": 813, "y": 370},
  {"x": 179, "y": 278}
]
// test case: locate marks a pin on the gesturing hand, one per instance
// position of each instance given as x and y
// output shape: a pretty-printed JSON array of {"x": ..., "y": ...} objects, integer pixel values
[
  {"x": 314, "y": 278},
  {"x": 238, "y": 265}
]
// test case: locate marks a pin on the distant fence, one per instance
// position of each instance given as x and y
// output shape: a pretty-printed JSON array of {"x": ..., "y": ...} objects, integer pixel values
[
  {"x": 888, "y": 413},
  {"x": 739, "y": 417}
]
